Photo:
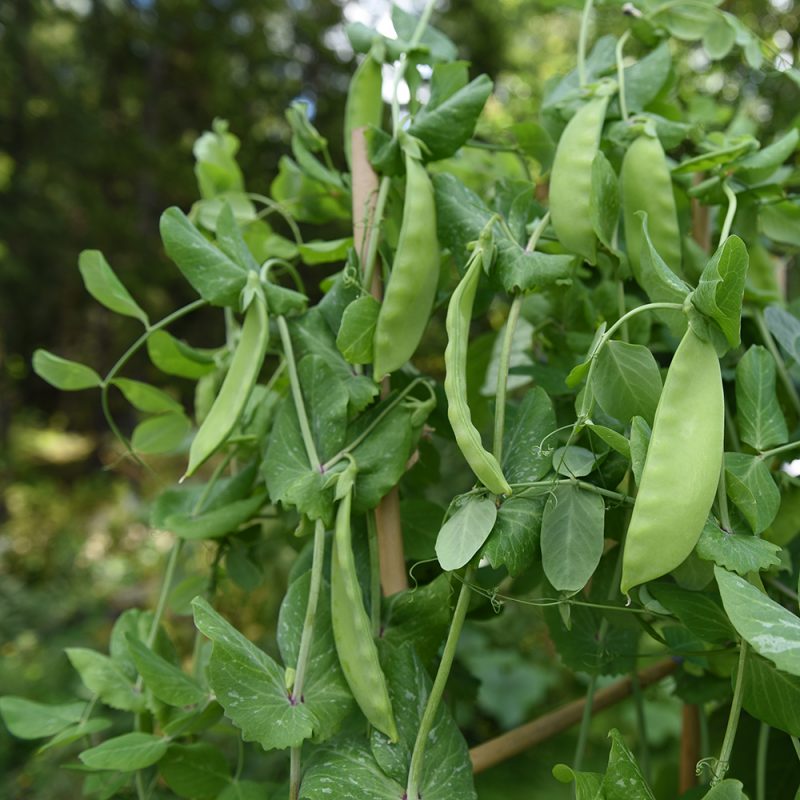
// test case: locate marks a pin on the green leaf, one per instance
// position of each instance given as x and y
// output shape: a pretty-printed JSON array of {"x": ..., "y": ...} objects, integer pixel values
[
  {"x": 461, "y": 216},
  {"x": 639, "y": 439},
  {"x": 699, "y": 612},
  {"x": 766, "y": 626},
  {"x": 174, "y": 357},
  {"x": 645, "y": 78},
  {"x": 719, "y": 153},
  {"x": 326, "y": 404},
  {"x": 721, "y": 289},
  {"x": 587, "y": 784},
  {"x": 527, "y": 425},
  {"x": 216, "y": 168},
  {"x": 75, "y": 732},
  {"x": 197, "y": 771},
  {"x": 781, "y": 222},
  {"x": 217, "y": 522},
  {"x": 244, "y": 790},
  {"x": 105, "y": 678},
  {"x": 162, "y": 434},
  {"x": 69, "y": 376},
  {"x": 446, "y": 126},
  {"x": 536, "y": 142},
  {"x": 231, "y": 241},
  {"x": 719, "y": 38},
  {"x": 752, "y": 489},
  {"x": 147, "y": 398},
  {"x": 194, "y": 721},
  {"x": 325, "y": 252},
  {"x": 166, "y": 681},
  {"x": 623, "y": 779},
  {"x": 106, "y": 287},
  {"x": 729, "y": 789},
  {"x": 305, "y": 199},
  {"x": 357, "y": 330},
  {"x": 760, "y": 165},
  {"x": 626, "y": 381},
  {"x": 251, "y": 687},
  {"x": 736, "y": 552},
  {"x": 573, "y": 462},
  {"x": 105, "y": 785},
  {"x": 604, "y": 205},
  {"x": 465, "y": 532},
  {"x": 758, "y": 415},
  {"x": 27, "y": 719},
  {"x": 213, "y": 275},
  {"x": 612, "y": 438},
  {"x": 439, "y": 47},
  {"x": 572, "y": 537},
  {"x": 325, "y": 691},
  {"x": 771, "y": 695},
  {"x": 514, "y": 540},
  {"x": 785, "y": 328},
  {"x": 126, "y": 753}
]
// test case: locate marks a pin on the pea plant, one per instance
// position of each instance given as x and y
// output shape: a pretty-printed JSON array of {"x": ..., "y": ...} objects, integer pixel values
[{"x": 566, "y": 384}]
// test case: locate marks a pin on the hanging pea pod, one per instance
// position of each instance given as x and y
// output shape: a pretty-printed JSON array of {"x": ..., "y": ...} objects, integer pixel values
[
  {"x": 364, "y": 104},
  {"x": 459, "y": 314},
  {"x": 352, "y": 634},
  {"x": 682, "y": 466},
  {"x": 571, "y": 179},
  {"x": 239, "y": 380},
  {"x": 411, "y": 290},
  {"x": 647, "y": 186}
]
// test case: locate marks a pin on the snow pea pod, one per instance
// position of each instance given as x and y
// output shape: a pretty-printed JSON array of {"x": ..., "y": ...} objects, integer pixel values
[
  {"x": 411, "y": 289},
  {"x": 239, "y": 381},
  {"x": 364, "y": 104},
  {"x": 571, "y": 179},
  {"x": 682, "y": 466},
  {"x": 459, "y": 314},
  {"x": 352, "y": 632},
  {"x": 647, "y": 186}
]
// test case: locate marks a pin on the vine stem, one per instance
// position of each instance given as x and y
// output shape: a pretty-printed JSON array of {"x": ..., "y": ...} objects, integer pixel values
[
  {"x": 434, "y": 698},
  {"x": 583, "y": 38},
  {"x": 723, "y": 761},
  {"x": 623, "y": 103},
  {"x": 502, "y": 376},
  {"x": 584, "y": 485},
  {"x": 776, "y": 451},
  {"x": 761, "y": 761},
  {"x": 297, "y": 394},
  {"x": 783, "y": 373},
  {"x": 731, "y": 213}
]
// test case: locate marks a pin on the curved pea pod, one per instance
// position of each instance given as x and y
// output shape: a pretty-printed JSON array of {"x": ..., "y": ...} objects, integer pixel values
[
  {"x": 682, "y": 466},
  {"x": 364, "y": 104},
  {"x": 646, "y": 185},
  {"x": 459, "y": 314},
  {"x": 239, "y": 381},
  {"x": 571, "y": 179},
  {"x": 352, "y": 632},
  {"x": 411, "y": 290}
]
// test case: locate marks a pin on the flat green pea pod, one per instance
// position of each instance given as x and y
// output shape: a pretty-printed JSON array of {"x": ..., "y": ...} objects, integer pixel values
[
  {"x": 646, "y": 185},
  {"x": 352, "y": 632},
  {"x": 682, "y": 466},
  {"x": 571, "y": 179},
  {"x": 364, "y": 104},
  {"x": 239, "y": 381},
  {"x": 411, "y": 290},
  {"x": 459, "y": 314}
]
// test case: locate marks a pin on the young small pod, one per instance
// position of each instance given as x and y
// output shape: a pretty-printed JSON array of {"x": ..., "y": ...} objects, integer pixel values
[
  {"x": 571, "y": 179},
  {"x": 459, "y": 315},
  {"x": 646, "y": 185},
  {"x": 352, "y": 633},
  {"x": 682, "y": 467},
  {"x": 239, "y": 381},
  {"x": 411, "y": 290},
  {"x": 364, "y": 103}
]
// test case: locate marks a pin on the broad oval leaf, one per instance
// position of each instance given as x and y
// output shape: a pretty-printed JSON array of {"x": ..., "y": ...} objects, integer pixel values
[
  {"x": 126, "y": 753},
  {"x": 464, "y": 533},
  {"x": 69, "y": 376},
  {"x": 573, "y": 462},
  {"x": 785, "y": 327},
  {"x": 752, "y": 489},
  {"x": 162, "y": 434},
  {"x": 198, "y": 771},
  {"x": 166, "y": 681},
  {"x": 766, "y": 626},
  {"x": 106, "y": 678},
  {"x": 357, "y": 330},
  {"x": 759, "y": 417},
  {"x": 771, "y": 695},
  {"x": 102, "y": 283},
  {"x": 27, "y": 719},
  {"x": 217, "y": 522},
  {"x": 527, "y": 426},
  {"x": 175, "y": 357},
  {"x": 572, "y": 537},
  {"x": 147, "y": 398},
  {"x": 514, "y": 540},
  {"x": 736, "y": 552}
]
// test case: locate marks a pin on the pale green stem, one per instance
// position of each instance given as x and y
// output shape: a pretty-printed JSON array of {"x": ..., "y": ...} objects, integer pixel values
[
  {"x": 776, "y": 451},
  {"x": 520, "y": 489},
  {"x": 297, "y": 394},
  {"x": 434, "y": 698},
  {"x": 586, "y": 719},
  {"x": 279, "y": 209},
  {"x": 723, "y": 762},
  {"x": 729, "y": 216},
  {"x": 502, "y": 376},
  {"x": 623, "y": 103},
  {"x": 783, "y": 373},
  {"x": 163, "y": 596},
  {"x": 583, "y": 39},
  {"x": 761, "y": 761}
]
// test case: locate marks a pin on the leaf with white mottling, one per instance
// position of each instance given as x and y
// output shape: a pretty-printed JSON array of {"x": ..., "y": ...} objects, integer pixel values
[
  {"x": 736, "y": 552},
  {"x": 766, "y": 626}
]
